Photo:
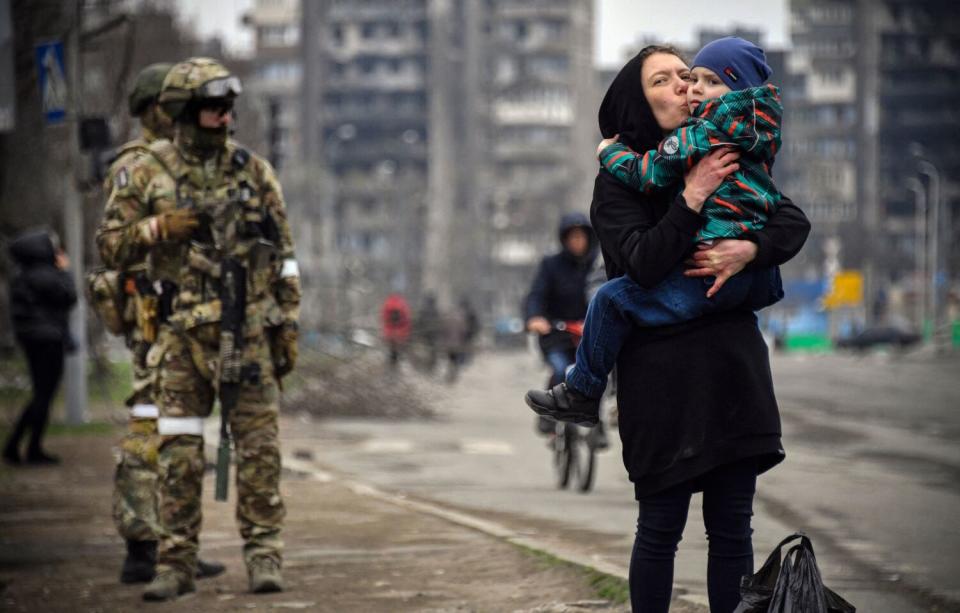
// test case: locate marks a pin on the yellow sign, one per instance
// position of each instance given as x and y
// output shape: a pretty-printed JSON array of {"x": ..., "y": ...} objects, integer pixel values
[{"x": 846, "y": 291}]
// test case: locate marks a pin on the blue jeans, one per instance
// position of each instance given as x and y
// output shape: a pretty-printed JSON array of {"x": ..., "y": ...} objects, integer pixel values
[
  {"x": 727, "y": 508},
  {"x": 559, "y": 361},
  {"x": 620, "y": 304}
]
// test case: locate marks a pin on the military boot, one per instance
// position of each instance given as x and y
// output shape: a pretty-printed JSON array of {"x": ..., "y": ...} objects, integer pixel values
[
  {"x": 140, "y": 563},
  {"x": 168, "y": 585},
  {"x": 209, "y": 568},
  {"x": 264, "y": 575}
]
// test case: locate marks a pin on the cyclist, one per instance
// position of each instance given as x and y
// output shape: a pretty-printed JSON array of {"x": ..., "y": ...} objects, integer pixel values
[{"x": 559, "y": 294}]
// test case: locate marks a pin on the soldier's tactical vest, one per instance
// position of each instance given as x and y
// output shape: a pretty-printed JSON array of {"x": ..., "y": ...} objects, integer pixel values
[{"x": 225, "y": 195}]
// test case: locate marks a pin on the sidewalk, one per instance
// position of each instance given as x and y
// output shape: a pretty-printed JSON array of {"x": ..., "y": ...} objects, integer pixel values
[{"x": 346, "y": 550}]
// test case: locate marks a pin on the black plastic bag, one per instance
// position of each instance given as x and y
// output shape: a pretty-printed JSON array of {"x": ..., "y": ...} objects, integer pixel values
[{"x": 792, "y": 585}]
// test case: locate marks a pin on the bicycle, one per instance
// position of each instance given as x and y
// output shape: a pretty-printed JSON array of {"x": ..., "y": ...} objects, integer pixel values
[{"x": 574, "y": 447}]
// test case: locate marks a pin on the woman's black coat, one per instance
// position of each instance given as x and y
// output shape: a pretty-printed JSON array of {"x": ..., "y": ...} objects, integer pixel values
[
  {"x": 697, "y": 395},
  {"x": 41, "y": 295}
]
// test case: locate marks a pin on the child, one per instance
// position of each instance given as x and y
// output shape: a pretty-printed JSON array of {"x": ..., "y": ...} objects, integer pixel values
[{"x": 729, "y": 107}]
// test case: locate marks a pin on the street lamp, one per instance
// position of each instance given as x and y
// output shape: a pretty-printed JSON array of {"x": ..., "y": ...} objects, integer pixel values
[
  {"x": 920, "y": 226},
  {"x": 935, "y": 204}
]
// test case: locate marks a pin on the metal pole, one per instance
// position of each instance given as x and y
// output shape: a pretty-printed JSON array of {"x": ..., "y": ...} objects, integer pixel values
[
  {"x": 920, "y": 229},
  {"x": 75, "y": 377},
  {"x": 868, "y": 179},
  {"x": 928, "y": 169}
]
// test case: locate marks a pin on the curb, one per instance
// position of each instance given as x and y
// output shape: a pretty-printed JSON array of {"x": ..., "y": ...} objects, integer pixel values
[{"x": 499, "y": 531}]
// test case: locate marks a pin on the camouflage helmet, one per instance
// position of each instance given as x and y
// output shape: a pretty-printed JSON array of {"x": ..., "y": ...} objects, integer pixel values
[
  {"x": 195, "y": 79},
  {"x": 146, "y": 87}
]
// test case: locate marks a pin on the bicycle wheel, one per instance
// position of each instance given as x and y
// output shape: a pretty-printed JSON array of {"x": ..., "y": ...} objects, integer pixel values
[
  {"x": 564, "y": 454},
  {"x": 586, "y": 460}
]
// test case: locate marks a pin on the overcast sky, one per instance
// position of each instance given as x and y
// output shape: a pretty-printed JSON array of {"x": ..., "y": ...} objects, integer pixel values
[{"x": 619, "y": 23}]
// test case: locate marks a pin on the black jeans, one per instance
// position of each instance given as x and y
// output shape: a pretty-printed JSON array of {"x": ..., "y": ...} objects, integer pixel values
[
  {"x": 727, "y": 508},
  {"x": 45, "y": 360}
]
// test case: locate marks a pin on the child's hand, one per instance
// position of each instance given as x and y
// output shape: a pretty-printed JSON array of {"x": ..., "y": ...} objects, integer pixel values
[{"x": 607, "y": 142}]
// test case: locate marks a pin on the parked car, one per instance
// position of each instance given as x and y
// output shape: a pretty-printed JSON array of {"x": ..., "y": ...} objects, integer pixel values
[{"x": 877, "y": 336}]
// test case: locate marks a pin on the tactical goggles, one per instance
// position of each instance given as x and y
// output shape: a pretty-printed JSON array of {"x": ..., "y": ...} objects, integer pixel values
[
  {"x": 220, "y": 88},
  {"x": 220, "y": 105}
]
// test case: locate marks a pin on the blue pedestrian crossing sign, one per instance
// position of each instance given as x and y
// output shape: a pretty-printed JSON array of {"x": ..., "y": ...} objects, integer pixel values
[{"x": 53, "y": 81}]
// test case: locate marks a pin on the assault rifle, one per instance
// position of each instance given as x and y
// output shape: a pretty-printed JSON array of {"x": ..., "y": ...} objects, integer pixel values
[{"x": 233, "y": 302}]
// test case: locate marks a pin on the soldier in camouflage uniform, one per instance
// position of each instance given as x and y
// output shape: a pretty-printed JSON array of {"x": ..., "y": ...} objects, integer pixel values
[
  {"x": 187, "y": 207},
  {"x": 136, "y": 477}
]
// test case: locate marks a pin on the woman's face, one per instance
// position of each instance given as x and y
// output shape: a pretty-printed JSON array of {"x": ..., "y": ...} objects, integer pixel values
[{"x": 665, "y": 81}]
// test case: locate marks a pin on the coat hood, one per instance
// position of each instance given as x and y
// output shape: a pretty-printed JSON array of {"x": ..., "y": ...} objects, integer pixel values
[
  {"x": 625, "y": 110},
  {"x": 751, "y": 118},
  {"x": 578, "y": 220},
  {"x": 32, "y": 248}
]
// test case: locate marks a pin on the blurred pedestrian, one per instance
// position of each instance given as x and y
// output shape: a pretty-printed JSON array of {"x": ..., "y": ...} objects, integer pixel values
[
  {"x": 697, "y": 410},
  {"x": 473, "y": 323},
  {"x": 459, "y": 329},
  {"x": 41, "y": 296},
  {"x": 395, "y": 317},
  {"x": 426, "y": 329},
  {"x": 559, "y": 294}
]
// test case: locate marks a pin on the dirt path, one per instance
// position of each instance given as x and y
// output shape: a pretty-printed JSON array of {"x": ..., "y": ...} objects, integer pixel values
[{"x": 345, "y": 552}]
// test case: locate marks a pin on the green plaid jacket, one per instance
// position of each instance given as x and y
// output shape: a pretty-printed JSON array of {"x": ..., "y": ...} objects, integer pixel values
[{"x": 749, "y": 120}]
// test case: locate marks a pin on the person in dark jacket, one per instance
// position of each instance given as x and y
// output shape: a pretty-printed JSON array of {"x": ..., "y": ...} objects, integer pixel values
[
  {"x": 559, "y": 292},
  {"x": 697, "y": 410},
  {"x": 41, "y": 296}
]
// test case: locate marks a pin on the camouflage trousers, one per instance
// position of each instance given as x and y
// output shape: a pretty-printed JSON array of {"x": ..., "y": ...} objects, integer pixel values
[
  {"x": 135, "y": 479},
  {"x": 135, "y": 482},
  {"x": 186, "y": 387}
]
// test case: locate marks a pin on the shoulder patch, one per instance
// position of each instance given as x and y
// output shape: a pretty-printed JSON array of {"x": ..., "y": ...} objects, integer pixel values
[{"x": 122, "y": 179}]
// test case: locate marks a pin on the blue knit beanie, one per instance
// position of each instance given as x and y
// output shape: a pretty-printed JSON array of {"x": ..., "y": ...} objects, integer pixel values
[{"x": 739, "y": 63}]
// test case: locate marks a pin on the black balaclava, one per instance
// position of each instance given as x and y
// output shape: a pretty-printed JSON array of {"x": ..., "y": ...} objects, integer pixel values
[
  {"x": 625, "y": 110},
  {"x": 202, "y": 142}
]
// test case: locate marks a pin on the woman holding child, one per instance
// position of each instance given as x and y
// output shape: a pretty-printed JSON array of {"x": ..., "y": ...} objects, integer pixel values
[{"x": 696, "y": 400}]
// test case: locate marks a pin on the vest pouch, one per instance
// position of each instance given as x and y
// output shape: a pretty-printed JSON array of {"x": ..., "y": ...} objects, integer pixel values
[
  {"x": 106, "y": 293},
  {"x": 202, "y": 321},
  {"x": 262, "y": 268},
  {"x": 200, "y": 279}
]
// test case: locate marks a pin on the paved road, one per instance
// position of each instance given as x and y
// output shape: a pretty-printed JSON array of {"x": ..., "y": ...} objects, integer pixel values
[{"x": 873, "y": 472}]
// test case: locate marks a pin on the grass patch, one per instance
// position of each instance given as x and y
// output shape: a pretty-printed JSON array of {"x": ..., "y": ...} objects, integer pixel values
[
  {"x": 108, "y": 385},
  {"x": 605, "y": 586}
]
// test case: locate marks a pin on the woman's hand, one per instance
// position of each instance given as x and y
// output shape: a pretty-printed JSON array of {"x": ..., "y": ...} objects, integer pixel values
[
  {"x": 606, "y": 143},
  {"x": 707, "y": 175},
  {"x": 725, "y": 258},
  {"x": 60, "y": 260}
]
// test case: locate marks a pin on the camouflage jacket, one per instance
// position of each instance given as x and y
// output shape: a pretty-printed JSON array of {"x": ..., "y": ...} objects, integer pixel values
[
  {"x": 748, "y": 120},
  {"x": 239, "y": 200},
  {"x": 118, "y": 298}
]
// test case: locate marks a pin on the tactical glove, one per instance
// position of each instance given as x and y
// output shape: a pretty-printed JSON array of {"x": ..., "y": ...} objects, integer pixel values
[
  {"x": 175, "y": 225},
  {"x": 283, "y": 348}
]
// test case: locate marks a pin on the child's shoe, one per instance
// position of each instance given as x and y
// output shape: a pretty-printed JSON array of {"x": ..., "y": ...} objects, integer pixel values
[{"x": 565, "y": 404}]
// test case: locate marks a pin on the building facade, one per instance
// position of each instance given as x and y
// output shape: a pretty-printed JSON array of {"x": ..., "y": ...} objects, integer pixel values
[
  {"x": 873, "y": 127},
  {"x": 455, "y": 133}
]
